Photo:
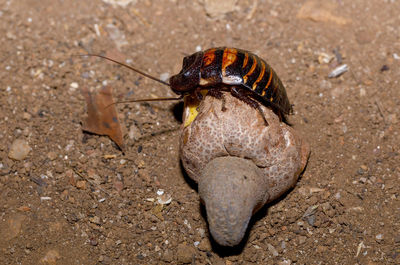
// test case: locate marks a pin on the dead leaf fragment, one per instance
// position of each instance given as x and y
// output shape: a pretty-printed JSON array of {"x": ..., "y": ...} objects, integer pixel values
[
  {"x": 102, "y": 117},
  {"x": 24, "y": 208}
]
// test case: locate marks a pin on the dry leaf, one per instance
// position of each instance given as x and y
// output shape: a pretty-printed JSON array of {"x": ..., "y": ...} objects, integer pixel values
[{"x": 102, "y": 117}]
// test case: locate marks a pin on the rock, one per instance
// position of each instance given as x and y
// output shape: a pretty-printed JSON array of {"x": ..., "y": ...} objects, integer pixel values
[
  {"x": 121, "y": 3},
  {"x": 134, "y": 132},
  {"x": 184, "y": 253},
  {"x": 95, "y": 220},
  {"x": 19, "y": 149},
  {"x": 81, "y": 184},
  {"x": 379, "y": 237},
  {"x": 52, "y": 155},
  {"x": 321, "y": 11},
  {"x": 26, "y": 116},
  {"x": 51, "y": 257},
  {"x": 167, "y": 256},
  {"x": 205, "y": 245},
  {"x": 12, "y": 227},
  {"x": 218, "y": 8},
  {"x": 272, "y": 249},
  {"x": 118, "y": 185}
]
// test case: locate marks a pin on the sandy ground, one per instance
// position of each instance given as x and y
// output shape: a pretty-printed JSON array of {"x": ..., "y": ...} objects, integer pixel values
[{"x": 75, "y": 198}]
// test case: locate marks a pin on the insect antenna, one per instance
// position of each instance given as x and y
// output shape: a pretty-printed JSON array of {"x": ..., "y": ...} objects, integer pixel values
[
  {"x": 127, "y": 66},
  {"x": 144, "y": 100},
  {"x": 137, "y": 71}
]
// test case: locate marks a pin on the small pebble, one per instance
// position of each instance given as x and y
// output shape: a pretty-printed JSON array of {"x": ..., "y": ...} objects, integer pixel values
[
  {"x": 219, "y": 8},
  {"x": 95, "y": 220},
  {"x": 134, "y": 132},
  {"x": 201, "y": 232},
  {"x": 384, "y": 68},
  {"x": 93, "y": 242},
  {"x": 81, "y": 184},
  {"x": 51, "y": 155},
  {"x": 164, "y": 77},
  {"x": 118, "y": 185},
  {"x": 167, "y": 256},
  {"x": 310, "y": 220},
  {"x": 51, "y": 257},
  {"x": 363, "y": 92},
  {"x": 324, "y": 58},
  {"x": 205, "y": 245},
  {"x": 19, "y": 150},
  {"x": 338, "y": 71},
  {"x": 163, "y": 198},
  {"x": 272, "y": 249},
  {"x": 13, "y": 226},
  {"x": 26, "y": 116},
  {"x": 73, "y": 86},
  {"x": 184, "y": 253}
]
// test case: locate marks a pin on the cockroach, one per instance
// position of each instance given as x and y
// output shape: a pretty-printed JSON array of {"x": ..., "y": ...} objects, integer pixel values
[{"x": 244, "y": 74}]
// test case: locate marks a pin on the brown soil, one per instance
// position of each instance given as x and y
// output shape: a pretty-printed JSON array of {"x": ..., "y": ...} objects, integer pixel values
[{"x": 68, "y": 202}]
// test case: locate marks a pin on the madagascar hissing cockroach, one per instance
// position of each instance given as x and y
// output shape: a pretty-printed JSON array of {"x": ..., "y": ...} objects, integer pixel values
[{"x": 244, "y": 74}]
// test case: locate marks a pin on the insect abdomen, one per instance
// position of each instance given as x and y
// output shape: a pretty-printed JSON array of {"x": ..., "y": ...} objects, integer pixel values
[{"x": 232, "y": 66}]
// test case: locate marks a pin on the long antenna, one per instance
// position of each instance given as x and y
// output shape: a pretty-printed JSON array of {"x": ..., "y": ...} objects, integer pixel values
[
  {"x": 144, "y": 100},
  {"x": 127, "y": 66}
]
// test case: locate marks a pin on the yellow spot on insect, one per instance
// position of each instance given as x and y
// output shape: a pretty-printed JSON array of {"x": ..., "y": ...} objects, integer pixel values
[
  {"x": 269, "y": 80},
  {"x": 228, "y": 58},
  {"x": 267, "y": 85},
  {"x": 208, "y": 57},
  {"x": 246, "y": 59},
  {"x": 253, "y": 67},
  {"x": 260, "y": 76}
]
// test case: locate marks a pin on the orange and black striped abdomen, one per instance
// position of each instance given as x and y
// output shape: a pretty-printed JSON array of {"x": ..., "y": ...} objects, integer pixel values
[
  {"x": 232, "y": 66},
  {"x": 210, "y": 72}
]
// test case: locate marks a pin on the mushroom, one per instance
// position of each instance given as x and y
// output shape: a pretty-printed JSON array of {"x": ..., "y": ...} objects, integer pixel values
[{"x": 238, "y": 161}]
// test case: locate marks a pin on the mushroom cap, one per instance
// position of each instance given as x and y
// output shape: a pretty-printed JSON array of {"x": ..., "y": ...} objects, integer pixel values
[
  {"x": 219, "y": 147},
  {"x": 240, "y": 131}
]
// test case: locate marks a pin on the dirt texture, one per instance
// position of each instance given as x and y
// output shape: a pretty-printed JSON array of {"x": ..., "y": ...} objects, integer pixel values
[{"x": 69, "y": 197}]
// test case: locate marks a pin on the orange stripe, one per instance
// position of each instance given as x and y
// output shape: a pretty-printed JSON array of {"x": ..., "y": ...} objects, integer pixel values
[
  {"x": 260, "y": 76},
  {"x": 228, "y": 58},
  {"x": 253, "y": 67},
  {"x": 266, "y": 87},
  {"x": 209, "y": 57},
  {"x": 246, "y": 59}
]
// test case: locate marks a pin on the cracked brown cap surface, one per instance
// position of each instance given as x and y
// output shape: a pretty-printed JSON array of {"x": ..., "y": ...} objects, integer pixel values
[{"x": 277, "y": 152}]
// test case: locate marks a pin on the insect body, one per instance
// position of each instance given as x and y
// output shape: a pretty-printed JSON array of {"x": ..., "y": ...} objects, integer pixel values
[{"x": 248, "y": 77}]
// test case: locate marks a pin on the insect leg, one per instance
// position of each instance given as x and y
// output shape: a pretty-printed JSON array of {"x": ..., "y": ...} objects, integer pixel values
[
  {"x": 242, "y": 95},
  {"x": 216, "y": 92}
]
